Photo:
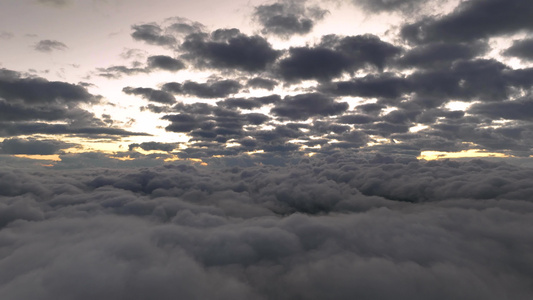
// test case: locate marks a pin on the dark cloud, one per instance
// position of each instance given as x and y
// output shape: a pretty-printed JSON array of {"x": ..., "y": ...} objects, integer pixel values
[
  {"x": 440, "y": 54},
  {"x": 262, "y": 83},
  {"x": 519, "y": 109},
  {"x": 32, "y": 146},
  {"x": 383, "y": 85},
  {"x": 340, "y": 226},
  {"x": 49, "y": 46},
  {"x": 522, "y": 49},
  {"x": 151, "y": 94},
  {"x": 287, "y": 18},
  {"x": 34, "y": 90},
  {"x": 480, "y": 79},
  {"x": 165, "y": 63},
  {"x": 229, "y": 49},
  {"x": 27, "y": 103},
  {"x": 472, "y": 20},
  {"x": 152, "y": 33},
  {"x": 210, "y": 89},
  {"x": 92, "y": 130},
  {"x": 334, "y": 56},
  {"x": 304, "y": 106}
]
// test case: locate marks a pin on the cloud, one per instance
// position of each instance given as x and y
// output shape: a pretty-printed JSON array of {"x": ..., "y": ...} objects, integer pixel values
[
  {"x": 521, "y": 49},
  {"x": 49, "y": 46},
  {"x": 152, "y": 33},
  {"x": 287, "y": 18},
  {"x": 34, "y": 90},
  {"x": 32, "y": 146},
  {"x": 405, "y": 6},
  {"x": 472, "y": 20},
  {"x": 210, "y": 89},
  {"x": 339, "y": 226},
  {"x": 229, "y": 49},
  {"x": 28, "y": 103},
  {"x": 334, "y": 56},
  {"x": 304, "y": 106},
  {"x": 153, "y": 63},
  {"x": 151, "y": 94},
  {"x": 440, "y": 54},
  {"x": 165, "y": 63},
  {"x": 262, "y": 83},
  {"x": 519, "y": 109}
]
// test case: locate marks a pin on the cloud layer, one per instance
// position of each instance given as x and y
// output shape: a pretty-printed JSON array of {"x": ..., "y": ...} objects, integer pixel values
[{"x": 336, "y": 226}]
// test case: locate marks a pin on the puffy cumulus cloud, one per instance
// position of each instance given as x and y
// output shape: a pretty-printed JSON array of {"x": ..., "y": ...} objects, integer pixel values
[
  {"x": 329, "y": 226},
  {"x": 34, "y": 90},
  {"x": 287, "y": 18},
  {"x": 49, "y": 46},
  {"x": 472, "y": 20},
  {"x": 31, "y": 105},
  {"x": 334, "y": 56},
  {"x": 228, "y": 49},
  {"x": 164, "y": 62},
  {"x": 304, "y": 106}
]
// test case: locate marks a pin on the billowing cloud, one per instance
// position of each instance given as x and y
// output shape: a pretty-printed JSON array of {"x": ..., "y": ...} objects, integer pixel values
[
  {"x": 334, "y": 56},
  {"x": 229, "y": 49},
  {"x": 304, "y": 106},
  {"x": 341, "y": 226},
  {"x": 29, "y": 103},
  {"x": 472, "y": 20},
  {"x": 288, "y": 17},
  {"x": 165, "y": 63}
]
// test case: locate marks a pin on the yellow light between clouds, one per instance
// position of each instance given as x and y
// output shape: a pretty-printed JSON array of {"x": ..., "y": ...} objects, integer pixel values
[{"x": 472, "y": 153}]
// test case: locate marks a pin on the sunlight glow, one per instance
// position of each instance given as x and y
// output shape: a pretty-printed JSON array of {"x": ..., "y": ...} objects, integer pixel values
[{"x": 434, "y": 155}]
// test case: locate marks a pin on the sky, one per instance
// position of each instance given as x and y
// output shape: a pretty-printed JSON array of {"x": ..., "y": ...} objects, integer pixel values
[
  {"x": 171, "y": 80},
  {"x": 287, "y": 149}
]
